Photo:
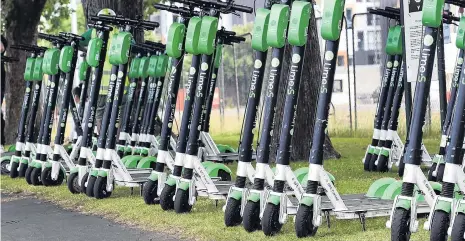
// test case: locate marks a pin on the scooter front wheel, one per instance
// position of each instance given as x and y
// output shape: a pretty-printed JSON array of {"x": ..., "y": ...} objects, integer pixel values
[
  {"x": 439, "y": 226},
  {"x": 35, "y": 177},
  {"x": 150, "y": 192},
  {"x": 22, "y": 169},
  {"x": 382, "y": 163},
  {"x": 251, "y": 216},
  {"x": 366, "y": 163},
  {"x": 83, "y": 183},
  {"x": 458, "y": 228},
  {"x": 90, "y": 185},
  {"x": 166, "y": 197},
  {"x": 400, "y": 230},
  {"x": 73, "y": 183},
  {"x": 13, "y": 168},
  {"x": 47, "y": 177},
  {"x": 28, "y": 174},
  {"x": 181, "y": 201},
  {"x": 270, "y": 220},
  {"x": 401, "y": 167},
  {"x": 303, "y": 222},
  {"x": 100, "y": 188},
  {"x": 232, "y": 214}
]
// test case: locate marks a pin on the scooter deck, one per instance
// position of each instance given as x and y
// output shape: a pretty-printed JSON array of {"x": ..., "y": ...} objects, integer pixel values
[{"x": 358, "y": 206}]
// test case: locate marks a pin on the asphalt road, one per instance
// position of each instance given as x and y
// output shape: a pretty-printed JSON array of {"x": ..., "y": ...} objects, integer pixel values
[{"x": 31, "y": 219}]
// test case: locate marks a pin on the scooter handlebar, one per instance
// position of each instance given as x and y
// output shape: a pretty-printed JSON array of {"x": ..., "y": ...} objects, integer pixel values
[
  {"x": 51, "y": 38},
  {"x": 122, "y": 20},
  {"x": 173, "y": 9},
  {"x": 216, "y": 4},
  {"x": 155, "y": 44},
  {"x": 456, "y": 2},
  {"x": 7, "y": 59},
  {"x": 71, "y": 36},
  {"x": 100, "y": 26}
]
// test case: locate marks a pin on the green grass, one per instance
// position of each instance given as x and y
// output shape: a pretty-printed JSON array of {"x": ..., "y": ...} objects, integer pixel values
[{"x": 205, "y": 222}]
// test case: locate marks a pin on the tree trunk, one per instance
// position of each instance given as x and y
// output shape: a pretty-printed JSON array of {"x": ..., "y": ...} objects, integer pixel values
[
  {"x": 126, "y": 8},
  {"x": 21, "y": 21},
  {"x": 307, "y": 100}
]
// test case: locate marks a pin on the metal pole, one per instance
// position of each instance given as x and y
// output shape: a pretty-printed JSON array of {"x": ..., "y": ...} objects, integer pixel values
[
  {"x": 441, "y": 75},
  {"x": 237, "y": 82},
  {"x": 348, "y": 73},
  {"x": 407, "y": 84},
  {"x": 222, "y": 94}
]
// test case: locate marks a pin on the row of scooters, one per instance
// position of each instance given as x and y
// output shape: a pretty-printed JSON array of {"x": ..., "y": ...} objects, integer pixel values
[{"x": 261, "y": 197}]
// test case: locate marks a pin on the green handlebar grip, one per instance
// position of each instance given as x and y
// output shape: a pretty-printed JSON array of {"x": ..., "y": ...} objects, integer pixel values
[
  {"x": 193, "y": 35},
  {"x": 277, "y": 27},
  {"x": 175, "y": 40},
  {"x": 298, "y": 24},
  {"x": 332, "y": 19},
  {"x": 260, "y": 29}
]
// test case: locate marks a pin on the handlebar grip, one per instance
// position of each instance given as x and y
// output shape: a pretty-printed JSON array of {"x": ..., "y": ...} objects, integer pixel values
[
  {"x": 455, "y": 2},
  {"x": 171, "y": 9},
  {"x": 149, "y": 24},
  {"x": 155, "y": 44}
]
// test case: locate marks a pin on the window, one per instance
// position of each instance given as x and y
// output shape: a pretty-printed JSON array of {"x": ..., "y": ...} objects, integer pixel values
[
  {"x": 370, "y": 20},
  {"x": 340, "y": 60},
  {"x": 360, "y": 40},
  {"x": 373, "y": 39},
  {"x": 371, "y": 59},
  {"x": 351, "y": 61},
  {"x": 337, "y": 87}
]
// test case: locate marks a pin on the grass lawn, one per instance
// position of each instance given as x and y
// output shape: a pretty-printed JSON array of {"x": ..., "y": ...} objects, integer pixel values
[{"x": 205, "y": 222}]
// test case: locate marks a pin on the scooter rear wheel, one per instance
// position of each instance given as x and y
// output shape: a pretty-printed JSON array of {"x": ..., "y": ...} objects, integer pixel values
[
  {"x": 439, "y": 226},
  {"x": 22, "y": 169},
  {"x": 166, "y": 197},
  {"x": 251, "y": 216},
  {"x": 232, "y": 214},
  {"x": 83, "y": 183},
  {"x": 400, "y": 230},
  {"x": 458, "y": 228},
  {"x": 382, "y": 163},
  {"x": 35, "y": 177},
  {"x": 13, "y": 168},
  {"x": 100, "y": 188},
  {"x": 90, "y": 186},
  {"x": 270, "y": 220},
  {"x": 373, "y": 166},
  {"x": 303, "y": 222},
  {"x": 366, "y": 163},
  {"x": 73, "y": 183},
  {"x": 181, "y": 201},
  {"x": 150, "y": 192}
]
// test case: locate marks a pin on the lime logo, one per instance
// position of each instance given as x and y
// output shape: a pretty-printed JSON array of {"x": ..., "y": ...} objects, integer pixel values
[
  {"x": 52, "y": 84},
  {"x": 120, "y": 74},
  {"x": 173, "y": 70},
  {"x": 204, "y": 66},
  {"x": 258, "y": 29},
  {"x": 213, "y": 76},
  {"x": 428, "y": 41},
  {"x": 275, "y": 62},
  {"x": 143, "y": 83},
  {"x": 89, "y": 125},
  {"x": 170, "y": 125},
  {"x": 192, "y": 71},
  {"x": 271, "y": 133},
  {"x": 296, "y": 58},
  {"x": 159, "y": 83},
  {"x": 329, "y": 55},
  {"x": 291, "y": 132},
  {"x": 37, "y": 87},
  {"x": 295, "y": 20},
  {"x": 113, "y": 77},
  {"x": 258, "y": 64},
  {"x": 389, "y": 64},
  {"x": 460, "y": 61},
  {"x": 28, "y": 90},
  {"x": 117, "y": 125},
  {"x": 133, "y": 84},
  {"x": 273, "y": 23},
  {"x": 94, "y": 77},
  {"x": 199, "y": 127},
  {"x": 62, "y": 124},
  {"x": 50, "y": 126},
  {"x": 396, "y": 63}
]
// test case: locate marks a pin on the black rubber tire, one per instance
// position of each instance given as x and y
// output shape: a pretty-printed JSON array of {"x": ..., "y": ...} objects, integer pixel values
[
  {"x": 232, "y": 213},
  {"x": 35, "y": 177},
  {"x": 181, "y": 201},
  {"x": 83, "y": 183},
  {"x": 458, "y": 228},
  {"x": 382, "y": 164},
  {"x": 270, "y": 220},
  {"x": 224, "y": 176},
  {"x": 90, "y": 186},
  {"x": 400, "y": 230},
  {"x": 401, "y": 167},
  {"x": 440, "y": 173},
  {"x": 251, "y": 217},
  {"x": 166, "y": 197},
  {"x": 432, "y": 178},
  {"x": 47, "y": 177},
  {"x": 14, "y": 173},
  {"x": 439, "y": 226},
  {"x": 303, "y": 222},
  {"x": 366, "y": 164},
  {"x": 28, "y": 174},
  {"x": 73, "y": 183},
  {"x": 150, "y": 192},
  {"x": 100, "y": 188},
  {"x": 22, "y": 170},
  {"x": 373, "y": 167}
]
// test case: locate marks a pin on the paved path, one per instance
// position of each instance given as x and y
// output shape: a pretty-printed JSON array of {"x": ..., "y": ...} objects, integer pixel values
[{"x": 31, "y": 219}]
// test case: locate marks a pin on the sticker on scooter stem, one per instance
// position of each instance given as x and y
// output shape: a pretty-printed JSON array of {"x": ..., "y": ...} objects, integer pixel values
[
  {"x": 258, "y": 64},
  {"x": 428, "y": 41},
  {"x": 296, "y": 58},
  {"x": 329, "y": 56}
]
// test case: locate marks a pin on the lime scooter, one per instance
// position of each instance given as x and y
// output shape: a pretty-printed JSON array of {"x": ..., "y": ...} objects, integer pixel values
[
  {"x": 49, "y": 67},
  {"x": 447, "y": 213},
  {"x": 403, "y": 220},
  {"x": 236, "y": 200},
  {"x": 53, "y": 173},
  {"x": 96, "y": 53},
  {"x": 17, "y": 166},
  {"x": 111, "y": 170},
  {"x": 185, "y": 189}
]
